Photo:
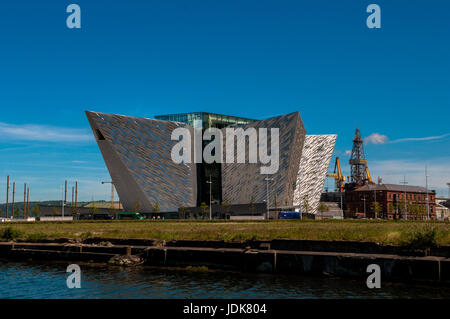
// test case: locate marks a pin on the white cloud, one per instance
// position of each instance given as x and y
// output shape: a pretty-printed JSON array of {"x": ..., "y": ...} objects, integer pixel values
[
  {"x": 414, "y": 139},
  {"x": 347, "y": 153},
  {"x": 376, "y": 138},
  {"x": 43, "y": 133}
]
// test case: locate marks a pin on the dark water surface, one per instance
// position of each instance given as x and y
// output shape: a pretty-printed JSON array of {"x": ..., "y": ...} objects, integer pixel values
[{"x": 48, "y": 280}]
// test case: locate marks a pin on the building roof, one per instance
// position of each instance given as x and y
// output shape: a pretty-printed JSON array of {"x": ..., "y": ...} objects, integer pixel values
[
  {"x": 103, "y": 205},
  {"x": 163, "y": 116},
  {"x": 393, "y": 188},
  {"x": 446, "y": 204}
]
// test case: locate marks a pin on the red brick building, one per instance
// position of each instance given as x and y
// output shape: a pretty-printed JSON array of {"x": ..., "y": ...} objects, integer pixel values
[{"x": 393, "y": 202}]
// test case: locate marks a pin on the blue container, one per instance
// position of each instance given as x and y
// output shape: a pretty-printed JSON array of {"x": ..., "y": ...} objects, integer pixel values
[{"x": 289, "y": 215}]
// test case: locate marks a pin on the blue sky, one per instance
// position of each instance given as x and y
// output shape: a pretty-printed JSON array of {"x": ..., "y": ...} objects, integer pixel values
[{"x": 248, "y": 58}]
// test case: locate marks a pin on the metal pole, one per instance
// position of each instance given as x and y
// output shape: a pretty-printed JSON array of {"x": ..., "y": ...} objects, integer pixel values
[
  {"x": 267, "y": 198},
  {"x": 210, "y": 197},
  {"x": 267, "y": 194},
  {"x": 375, "y": 203},
  {"x": 426, "y": 198},
  {"x": 404, "y": 184},
  {"x": 364, "y": 199},
  {"x": 65, "y": 192},
  {"x": 112, "y": 195}
]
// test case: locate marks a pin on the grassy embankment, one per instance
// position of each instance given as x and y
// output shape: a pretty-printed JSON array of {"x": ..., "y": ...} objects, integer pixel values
[{"x": 380, "y": 231}]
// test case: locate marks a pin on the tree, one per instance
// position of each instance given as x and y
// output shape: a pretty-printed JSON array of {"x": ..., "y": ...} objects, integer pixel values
[
  {"x": 252, "y": 205},
  {"x": 305, "y": 204},
  {"x": 16, "y": 212},
  {"x": 392, "y": 208},
  {"x": 403, "y": 207},
  {"x": 323, "y": 208},
  {"x": 155, "y": 208},
  {"x": 55, "y": 212},
  {"x": 417, "y": 210},
  {"x": 204, "y": 209},
  {"x": 376, "y": 209},
  {"x": 137, "y": 207},
  {"x": 226, "y": 207},
  {"x": 275, "y": 202},
  {"x": 182, "y": 211},
  {"x": 36, "y": 210},
  {"x": 348, "y": 213},
  {"x": 114, "y": 211},
  {"x": 93, "y": 209}
]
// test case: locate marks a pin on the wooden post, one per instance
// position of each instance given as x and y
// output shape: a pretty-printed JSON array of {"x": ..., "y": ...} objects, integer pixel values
[
  {"x": 28, "y": 202},
  {"x": 65, "y": 192},
  {"x": 13, "y": 198},
  {"x": 24, "y": 199},
  {"x": 76, "y": 196},
  {"x": 73, "y": 190},
  {"x": 7, "y": 195}
]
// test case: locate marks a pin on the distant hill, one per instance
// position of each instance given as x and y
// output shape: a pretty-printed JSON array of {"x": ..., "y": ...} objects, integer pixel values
[{"x": 19, "y": 206}]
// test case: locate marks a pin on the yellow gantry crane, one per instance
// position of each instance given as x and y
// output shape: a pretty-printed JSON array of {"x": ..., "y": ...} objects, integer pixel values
[
  {"x": 369, "y": 178},
  {"x": 339, "y": 179}
]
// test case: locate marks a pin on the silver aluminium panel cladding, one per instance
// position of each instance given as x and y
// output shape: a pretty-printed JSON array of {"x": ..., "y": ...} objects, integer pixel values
[
  {"x": 137, "y": 153},
  {"x": 312, "y": 173},
  {"x": 243, "y": 183}
]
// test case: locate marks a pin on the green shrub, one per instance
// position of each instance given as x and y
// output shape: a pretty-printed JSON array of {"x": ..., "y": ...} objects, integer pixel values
[
  {"x": 37, "y": 236},
  {"x": 86, "y": 235},
  {"x": 10, "y": 233},
  {"x": 424, "y": 236}
]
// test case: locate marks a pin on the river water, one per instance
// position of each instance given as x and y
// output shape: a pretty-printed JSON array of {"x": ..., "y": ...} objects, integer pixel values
[{"x": 48, "y": 280}]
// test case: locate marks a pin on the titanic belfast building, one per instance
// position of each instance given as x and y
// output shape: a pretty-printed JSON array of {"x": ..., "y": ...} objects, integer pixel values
[{"x": 138, "y": 155}]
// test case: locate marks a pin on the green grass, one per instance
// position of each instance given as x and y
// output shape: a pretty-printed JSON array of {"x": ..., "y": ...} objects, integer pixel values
[{"x": 381, "y": 231}]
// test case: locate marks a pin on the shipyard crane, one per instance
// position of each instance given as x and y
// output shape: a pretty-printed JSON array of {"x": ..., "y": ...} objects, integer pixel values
[
  {"x": 360, "y": 174},
  {"x": 368, "y": 177},
  {"x": 339, "y": 179}
]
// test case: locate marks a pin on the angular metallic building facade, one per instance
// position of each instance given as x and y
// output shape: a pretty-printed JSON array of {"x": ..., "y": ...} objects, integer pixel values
[
  {"x": 243, "y": 183},
  {"x": 137, "y": 153},
  {"x": 316, "y": 156}
]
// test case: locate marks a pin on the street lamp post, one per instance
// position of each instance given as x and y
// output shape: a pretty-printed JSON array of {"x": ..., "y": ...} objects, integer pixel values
[
  {"x": 112, "y": 196},
  {"x": 364, "y": 199},
  {"x": 210, "y": 197},
  {"x": 267, "y": 179},
  {"x": 62, "y": 202},
  {"x": 404, "y": 199}
]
